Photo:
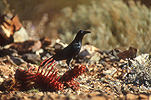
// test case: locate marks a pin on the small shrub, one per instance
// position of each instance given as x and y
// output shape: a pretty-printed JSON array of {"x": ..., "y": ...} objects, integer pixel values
[{"x": 140, "y": 73}]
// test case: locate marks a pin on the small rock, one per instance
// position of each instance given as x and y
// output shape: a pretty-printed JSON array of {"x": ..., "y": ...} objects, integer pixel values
[
  {"x": 20, "y": 35},
  {"x": 83, "y": 54},
  {"x": 17, "y": 60},
  {"x": 121, "y": 96},
  {"x": 38, "y": 52},
  {"x": 89, "y": 52},
  {"x": 142, "y": 58},
  {"x": 95, "y": 57},
  {"x": 31, "y": 58},
  {"x": 27, "y": 46},
  {"x": 93, "y": 94},
  {"x": 143, "y": 96},
  {"x": 111, "y": 71},
  {"x": 130, "y": 53},
  {"x": 131, "y": 97},
  {"x": 98, "y": 98},
  {"x": 90, "y": 48},
  {"x": 115, "y": 52},
  {"x": 59, "y": 45},
  {"x": 1, "y": 80},
  {"x": 149, "y": 97},
  {"x": 45, "y": 41},
  {"x": 8, "y": 51}
]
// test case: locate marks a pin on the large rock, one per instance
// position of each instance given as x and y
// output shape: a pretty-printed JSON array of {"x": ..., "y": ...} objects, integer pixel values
[
  {"x": 31, "y": 58},
  {"x": 11, "y": 30},
  {"x": 27, "y": 46}
]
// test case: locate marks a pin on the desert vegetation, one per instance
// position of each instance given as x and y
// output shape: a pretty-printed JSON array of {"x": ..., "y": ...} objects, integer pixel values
[
  {"x": 113, "y": 24},
  {"x": 114, "y": 61}
]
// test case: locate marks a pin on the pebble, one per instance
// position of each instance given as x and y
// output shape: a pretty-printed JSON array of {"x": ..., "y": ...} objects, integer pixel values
[
  {"x": 149, "y": 97},
  {"x": 131, "y": 97},
  {"x": 111, "y": 71},
  {"x": 143, "y": 96},
  {"x": 98, "y": 98}
]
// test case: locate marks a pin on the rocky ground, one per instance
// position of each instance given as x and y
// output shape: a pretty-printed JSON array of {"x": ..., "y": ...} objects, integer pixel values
[{"x": 115, "y": 74}]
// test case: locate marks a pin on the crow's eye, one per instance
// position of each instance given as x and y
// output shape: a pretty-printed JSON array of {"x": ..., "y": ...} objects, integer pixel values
[{"x": 82, "y": 31}]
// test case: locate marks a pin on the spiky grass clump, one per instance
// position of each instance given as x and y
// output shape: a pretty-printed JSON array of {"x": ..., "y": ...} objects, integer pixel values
[
  {"x": 47, "y": 79},
  {"x": 140, "y": 73}
]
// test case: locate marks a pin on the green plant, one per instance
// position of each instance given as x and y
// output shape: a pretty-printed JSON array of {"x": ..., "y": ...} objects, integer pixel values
[{"x": 33, "y": 90}]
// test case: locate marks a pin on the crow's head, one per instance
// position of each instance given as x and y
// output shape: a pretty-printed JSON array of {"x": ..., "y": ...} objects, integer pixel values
[
  {"x": 80, "y": 35},
  {"x": 82, "y": 32}
]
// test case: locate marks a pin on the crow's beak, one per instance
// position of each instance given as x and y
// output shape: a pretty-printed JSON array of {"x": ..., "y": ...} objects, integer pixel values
[{"x": 86, "y": 32}]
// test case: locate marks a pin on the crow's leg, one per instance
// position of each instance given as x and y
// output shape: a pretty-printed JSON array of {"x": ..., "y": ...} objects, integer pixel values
[{"x": 68, "y": 63}]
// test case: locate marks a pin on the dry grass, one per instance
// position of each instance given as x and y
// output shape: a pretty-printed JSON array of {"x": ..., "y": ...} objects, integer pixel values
[
  {"x": 34, "y": 9},
  {"x": 113, "y": 24}
]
